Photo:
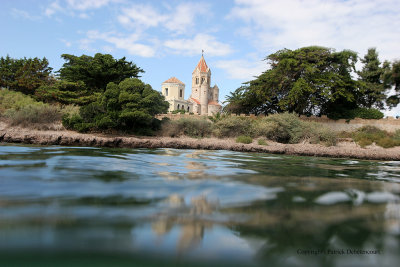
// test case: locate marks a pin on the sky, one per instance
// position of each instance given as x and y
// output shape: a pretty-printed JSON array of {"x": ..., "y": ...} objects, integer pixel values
[{"x": 166, "y": 38}]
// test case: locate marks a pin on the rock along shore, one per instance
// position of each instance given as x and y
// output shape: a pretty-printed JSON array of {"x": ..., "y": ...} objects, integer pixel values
[{"x": 70, "y": 138}]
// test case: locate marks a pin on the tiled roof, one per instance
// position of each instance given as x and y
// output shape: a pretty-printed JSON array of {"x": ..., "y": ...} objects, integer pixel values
[
  {"x": 173, "y": 80},
  {"x": 215, "y": 103},
  {"x": 202, "y": 65},
  {"x": 195, "y": 100}
]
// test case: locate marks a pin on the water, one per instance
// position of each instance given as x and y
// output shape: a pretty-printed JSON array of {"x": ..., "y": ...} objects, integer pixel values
[{"x": 71, "y": 206}]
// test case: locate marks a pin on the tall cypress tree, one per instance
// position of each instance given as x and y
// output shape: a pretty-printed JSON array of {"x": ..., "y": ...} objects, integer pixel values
[{"x": 371, "y": 77}]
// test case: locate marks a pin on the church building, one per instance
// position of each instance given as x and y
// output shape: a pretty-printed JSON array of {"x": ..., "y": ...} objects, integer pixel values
[{"x": 203, "y": 99}]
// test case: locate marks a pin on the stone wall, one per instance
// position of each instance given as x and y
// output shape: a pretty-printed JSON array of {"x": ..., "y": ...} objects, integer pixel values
[{"x": 389, "y": 124}]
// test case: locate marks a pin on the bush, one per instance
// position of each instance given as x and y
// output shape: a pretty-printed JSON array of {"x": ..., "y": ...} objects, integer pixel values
[
  {"x": 186, "y": 126},
  {"x": 14, "y": 100},
  {"x": 180, "y": 111},
  {"x": 288, "y": 128},
  {"x": 34, "y": 114},
  {"x": 363, "y": 113},
  {"x": 244, "y": 139},
  {"x": 233, "y": 126},
  {"x": 262, "y": 142},
  {"x": 367, "y": 135}
]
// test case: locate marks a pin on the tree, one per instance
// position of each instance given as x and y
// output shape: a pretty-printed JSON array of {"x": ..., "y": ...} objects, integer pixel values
[
  {"x": 372, "y": 82},
  {"x": 393, "y": 78},
  {"x": 96, "y": 72},
  {"x": 129, "y": 105},
  {"x": 309, "y": 80},
  {"x": 66, "y": 93},
  {"x": 24, "y": 75}
]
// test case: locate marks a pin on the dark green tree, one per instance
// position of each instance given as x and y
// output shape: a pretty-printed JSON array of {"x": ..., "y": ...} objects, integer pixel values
[
  {"x": 129, "y": 105},
  {"x": 24, "y": 75},
  {"x": 96, "y": 72},
  {"x": 64, "y": 92},
  {"x": 309, "y": 80},
  {"x": 372, "y": 80},
  {"x": 393, "y": 77}
]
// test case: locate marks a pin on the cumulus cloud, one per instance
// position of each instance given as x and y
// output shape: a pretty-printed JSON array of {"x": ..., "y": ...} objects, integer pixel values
[
  {"x": 200, "y": 42},
  {"x": 68, "y": 6},
  {"x": 177, "y": 19},
  {"x": 352, "y": 24},
  {"x": 129, "y": 43}
]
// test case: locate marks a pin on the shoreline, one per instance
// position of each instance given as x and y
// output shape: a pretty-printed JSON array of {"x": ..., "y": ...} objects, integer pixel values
[{"x": 347, "y": 149}]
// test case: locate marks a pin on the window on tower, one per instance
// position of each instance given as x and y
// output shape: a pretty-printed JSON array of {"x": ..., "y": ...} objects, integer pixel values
[
  {"x": 197, "y": 80},
  {"x": 180, "y": 93},
  {"x": 166, "y": 91},
  {"x": 202, "y": 80}
]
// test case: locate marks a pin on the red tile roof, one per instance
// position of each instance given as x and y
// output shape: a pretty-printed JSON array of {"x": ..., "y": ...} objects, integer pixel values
[
  {"x": 215, "y": 103},
  {"x": 202, "y": 65},
  {"x": 195, "y": 100},
  {"x": 173, "y": 80}
]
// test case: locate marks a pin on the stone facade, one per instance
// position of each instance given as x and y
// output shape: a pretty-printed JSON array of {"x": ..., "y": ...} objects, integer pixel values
[
  {"x": 203, "y": 99},
  {"x": 174, "y": 92}
]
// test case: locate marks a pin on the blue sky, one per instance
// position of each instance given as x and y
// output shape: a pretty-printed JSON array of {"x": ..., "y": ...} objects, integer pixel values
[{"x": 165, "y": 38}]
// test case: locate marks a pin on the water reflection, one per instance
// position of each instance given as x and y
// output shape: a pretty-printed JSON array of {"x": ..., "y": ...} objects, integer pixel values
[{"x": 212, "y": 206}]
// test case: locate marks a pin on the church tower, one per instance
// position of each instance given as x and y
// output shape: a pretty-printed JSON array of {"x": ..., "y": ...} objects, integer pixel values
[{"x": 201, "y": 80}]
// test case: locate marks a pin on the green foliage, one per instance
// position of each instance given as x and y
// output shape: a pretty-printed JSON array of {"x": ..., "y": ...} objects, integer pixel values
[
  {"x": 180, "y": 111},
  {"x": 96, "y": 72},
  {"x": 393, "y": 77},
  {"x": 193, "y": 127},
  {"x": 233, "y": 126},
  {"x": 217, "y": 116},
  {"x": 369, "y": 134},
  {"x": 309, "y": 80},
  {"x": 24, "y": 75},
  {"x": 66, "y": 93},
  {"x": 262, "y": 142},
  {"x": 244, "y": 139},
  {"x": 33, "y": 114},
  {"x": 372, "y": 81},
  {"x": 14, "y": 100},
  {"x": 288, "y": 128},
  {"x": 129, "y": 106},
  {"x": 363, "y": 113}
]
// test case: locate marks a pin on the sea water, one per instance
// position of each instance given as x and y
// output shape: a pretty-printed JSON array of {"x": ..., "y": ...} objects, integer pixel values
[{"x": 81, "y": 206}]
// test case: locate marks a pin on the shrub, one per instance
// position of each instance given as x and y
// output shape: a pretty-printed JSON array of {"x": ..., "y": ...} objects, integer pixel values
[
  {"x": 367, "y": 135},
  {"x": 262, "y": 142},
  {"x": 363, "y": 113},
  {"x": 180, "y": 111},
  {"x": 186, "y": 126},
  {"x": 244, "y": 139},
  {"x": 233, "y": 126},
  {"x": 33, "y": 114},
  {"x": 14, "y": 100}
]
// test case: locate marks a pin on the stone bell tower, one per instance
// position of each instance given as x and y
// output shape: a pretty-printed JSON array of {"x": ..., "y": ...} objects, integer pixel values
[{"x": 201, "y": 80}]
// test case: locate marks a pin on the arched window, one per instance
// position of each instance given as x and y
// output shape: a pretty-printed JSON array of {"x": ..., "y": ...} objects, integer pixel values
[
  {"x": 166, "y": 91},
  {"x": 183, "y": 107},
  {"x": 197, "y": 80},
  {"x": 178, "y": 106},
  {"x": 188, "y": 109},
  {"x": 180, "y": 93}
]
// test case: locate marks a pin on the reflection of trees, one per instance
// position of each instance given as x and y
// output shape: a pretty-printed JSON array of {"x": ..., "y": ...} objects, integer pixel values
[{"x": 188, "y": 218}]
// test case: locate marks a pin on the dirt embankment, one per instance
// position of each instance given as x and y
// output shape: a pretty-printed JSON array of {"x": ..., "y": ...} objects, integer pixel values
[{"x": 70, "y": 138}]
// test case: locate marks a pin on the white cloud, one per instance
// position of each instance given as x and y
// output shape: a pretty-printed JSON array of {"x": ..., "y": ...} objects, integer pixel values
[
  {"x": 130, "y": 43},
  {"x": 88, "y": 4},
  {"x": 205, "y": 42},
  {"x": 53, "y": 8},
  {"x": 352, "y": 24},
  {"x": 68, "y": 6},
  {"x": 176, "y": 19},
  {"x": 17, "y": 13},
  {"x": 242, "y": 69}
]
